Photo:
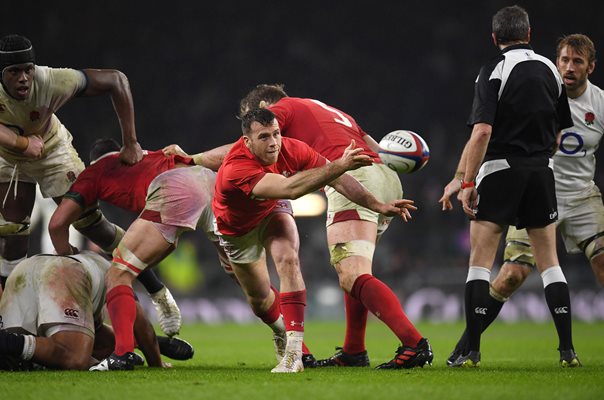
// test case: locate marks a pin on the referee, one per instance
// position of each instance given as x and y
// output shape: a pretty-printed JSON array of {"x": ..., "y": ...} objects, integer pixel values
[{"x": 519, "y": 108}]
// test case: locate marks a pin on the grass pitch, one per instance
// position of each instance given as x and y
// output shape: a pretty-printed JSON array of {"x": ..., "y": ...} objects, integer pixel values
[{"x": 519, "y": 361}]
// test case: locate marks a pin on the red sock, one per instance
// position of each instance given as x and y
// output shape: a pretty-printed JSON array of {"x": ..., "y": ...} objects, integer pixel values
[
  {"x": 292, "y": 306},
  {"x": 356, "y": 323},
  {"x": 121, "y": 307},
  {"x": 274, "y": 312},
  {"x": 383, "y": 303}
]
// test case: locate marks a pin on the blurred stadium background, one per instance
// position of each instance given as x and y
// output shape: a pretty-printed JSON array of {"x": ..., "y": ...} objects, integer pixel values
[{"x": 390, "y": 64}]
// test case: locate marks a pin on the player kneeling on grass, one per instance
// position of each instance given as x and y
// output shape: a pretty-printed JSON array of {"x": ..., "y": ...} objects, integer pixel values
[{"x": 63, "y": 326}]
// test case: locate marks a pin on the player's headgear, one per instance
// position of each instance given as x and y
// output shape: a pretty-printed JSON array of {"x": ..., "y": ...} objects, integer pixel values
[{"x": 15, "y": 49}]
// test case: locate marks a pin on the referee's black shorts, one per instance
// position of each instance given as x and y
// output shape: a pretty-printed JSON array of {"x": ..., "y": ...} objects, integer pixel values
[{"x": 519, "y": 192}]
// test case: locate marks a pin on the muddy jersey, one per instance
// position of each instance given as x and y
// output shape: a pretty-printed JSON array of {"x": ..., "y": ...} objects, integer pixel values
[
  {"x": 575, "y": 160},
  {"x": 50, "y": 89}
]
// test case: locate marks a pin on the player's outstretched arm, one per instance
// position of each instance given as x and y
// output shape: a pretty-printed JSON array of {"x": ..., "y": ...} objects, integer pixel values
[
  {"x": 211, "y": 159},
  {"x": 58, "y": 228},
  {"x": 115, "y": 83},
  {"x": 275, "y": 186},
  {"x": 146, "y": 339}
]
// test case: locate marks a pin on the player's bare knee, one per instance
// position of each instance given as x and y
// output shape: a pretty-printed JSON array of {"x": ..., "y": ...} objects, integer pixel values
[
  {"x": 286, "y": 261},
  {"x": 510, "y": 277}
]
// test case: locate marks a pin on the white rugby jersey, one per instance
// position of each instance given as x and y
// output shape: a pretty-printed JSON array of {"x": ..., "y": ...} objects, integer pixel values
[
  {"x": 575, "y": 161},
  {"x": 50, "y": 89}
]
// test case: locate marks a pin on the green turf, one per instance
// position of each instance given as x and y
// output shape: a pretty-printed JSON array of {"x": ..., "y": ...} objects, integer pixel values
[{"x": 519, "y": 361}]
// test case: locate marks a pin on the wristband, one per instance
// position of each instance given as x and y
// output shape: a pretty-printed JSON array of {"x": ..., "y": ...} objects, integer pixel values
[
  {"x": 197, "y": 158},
  {"x": 465, "y": 185},
  {"x": 21, "y": 143}
]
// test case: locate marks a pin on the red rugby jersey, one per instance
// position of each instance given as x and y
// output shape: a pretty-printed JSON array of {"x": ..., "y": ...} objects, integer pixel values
[
  {"x": 235, "y": 209},
  {"x": 108, "y": 179},
  {"x": 324, "y": 128}
]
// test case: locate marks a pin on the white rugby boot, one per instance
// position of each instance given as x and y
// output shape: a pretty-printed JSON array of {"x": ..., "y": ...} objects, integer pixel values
[{"x": 168, "y": 312}]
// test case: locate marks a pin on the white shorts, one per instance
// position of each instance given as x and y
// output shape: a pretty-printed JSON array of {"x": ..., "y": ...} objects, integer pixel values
[
  {"x": 54, "y": 172},
  {"x": 579, "y": 218},
  {"x": 47, "y": 294},
  {"x": 176, "y": 200},
  {"x": 249, "y": 248},
  {"x": 378, "y": 179}
]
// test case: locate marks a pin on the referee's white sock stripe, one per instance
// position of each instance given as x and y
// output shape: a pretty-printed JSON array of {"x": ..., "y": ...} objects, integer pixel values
[
  {"x": 479, "y": 274},
  {"x": 552, "y": 275}
]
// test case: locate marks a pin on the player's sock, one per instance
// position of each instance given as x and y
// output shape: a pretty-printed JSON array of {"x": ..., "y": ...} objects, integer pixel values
[
  {"x": 149, "y": 279},
  {"x": 121, "y": 307},
  {"x": 356, "y": 324},
  {"x": 494, "y": 306},
  {"x": 272, "y": 316},
  {"x": 558, "y": 301},
  {"x": 292, "y": 307},
  {"x": 476, "y": 303},
  {"x": 383, "y": 303}
]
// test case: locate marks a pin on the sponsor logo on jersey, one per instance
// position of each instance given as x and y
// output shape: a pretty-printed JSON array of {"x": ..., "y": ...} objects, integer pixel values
[
  {"x": 589, "y": 118},
  {"x": 34, "y": 115},
  {"x": 480, "y": 310},
  {"x": 72, "y": 313},
  {"x": 561, "y": 310}
]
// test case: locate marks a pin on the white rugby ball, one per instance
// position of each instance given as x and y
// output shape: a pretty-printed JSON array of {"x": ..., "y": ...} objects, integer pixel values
[{"x": 404, "y": 151}]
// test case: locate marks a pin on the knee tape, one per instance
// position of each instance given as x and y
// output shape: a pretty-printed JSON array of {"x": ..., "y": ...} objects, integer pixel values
[
  {"x": 519, "y": 252},
  {"x": 8, "y": 228},
  {"x": 119, "y": 234},
  {"x": 595, "y": 247},
  {"x": 89, "y": 219},
  {"x": 341, "y": 251},
  {"x": 496, "y": 295},
  {"x": 126, "y": 260}
]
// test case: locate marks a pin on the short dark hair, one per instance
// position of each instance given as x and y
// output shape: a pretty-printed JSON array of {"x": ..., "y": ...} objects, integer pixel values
[
  {"x": 511, "y": 24},
  {"x": 264, "y": 92},
  {"x": 579, "y": 43},
  {"x": 263, "y": 116},
  {"x": 103, "y": 146}
]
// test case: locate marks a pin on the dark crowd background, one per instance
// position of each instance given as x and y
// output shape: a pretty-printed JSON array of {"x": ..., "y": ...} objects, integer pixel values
[{"x": 390, "y": 64}]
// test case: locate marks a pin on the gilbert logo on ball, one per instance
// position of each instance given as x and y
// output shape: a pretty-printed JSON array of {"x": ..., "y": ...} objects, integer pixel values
[{"x": 404, "y": 151}]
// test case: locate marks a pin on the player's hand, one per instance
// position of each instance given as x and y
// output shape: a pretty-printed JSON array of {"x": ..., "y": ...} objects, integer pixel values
[
  {"x": 452, "y": 187},
  {"x": 174, "y": 150},
  {"x": 469, "y": 200},
  {"x": 131, "y": 154},
  {"x": 401, "y": 207},
  {"x": 353, "y": 159},
  {"x": 35, "y": 146}
]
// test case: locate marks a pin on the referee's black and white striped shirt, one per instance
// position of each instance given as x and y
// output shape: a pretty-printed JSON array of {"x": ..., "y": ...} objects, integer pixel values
[{"x": 522, "y": 96}]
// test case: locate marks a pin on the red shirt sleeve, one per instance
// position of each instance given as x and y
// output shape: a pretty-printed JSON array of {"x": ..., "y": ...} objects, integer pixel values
[{"x": 84, "y": 189}]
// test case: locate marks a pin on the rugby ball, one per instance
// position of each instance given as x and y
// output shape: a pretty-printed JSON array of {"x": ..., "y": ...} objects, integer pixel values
[{"x": 404, "y": 151}]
